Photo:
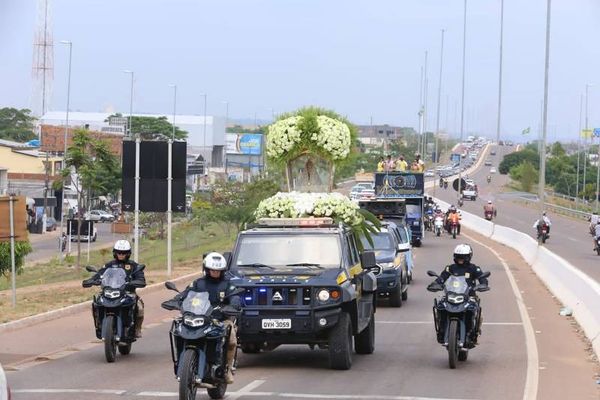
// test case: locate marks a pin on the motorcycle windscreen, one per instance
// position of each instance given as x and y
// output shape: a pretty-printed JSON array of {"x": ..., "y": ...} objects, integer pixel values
[
  {"x": 456, "y": 284},
  {"x": 114, "y": 278},
  {"x": 196, "y": 303}
]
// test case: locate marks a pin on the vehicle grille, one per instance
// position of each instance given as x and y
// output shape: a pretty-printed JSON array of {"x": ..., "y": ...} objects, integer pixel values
[{"x": 278, "y": 296}]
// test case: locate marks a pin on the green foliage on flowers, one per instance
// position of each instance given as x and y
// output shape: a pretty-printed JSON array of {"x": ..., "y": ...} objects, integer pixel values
[
  {"x": 21, "y": 250},
  {"x": 311, "y": 129}
]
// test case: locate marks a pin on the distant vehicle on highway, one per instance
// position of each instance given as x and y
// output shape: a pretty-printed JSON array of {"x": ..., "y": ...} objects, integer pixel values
[
  {"x": 492, "y": 152},
  {"x": 86, "y": 238},
  {"x": 429, "y": 172},
  {"x": 99, "y": 216},
  {"x": 488, "y": 163},
  {"x": 492, "y": 170}
]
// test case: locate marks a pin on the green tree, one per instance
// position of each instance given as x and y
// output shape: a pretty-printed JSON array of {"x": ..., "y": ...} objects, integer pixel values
[
  {"x": 153, "y": 128},
  {"x": 17, "y": 125},
  {"x": 21, "y": 250},
  {"x": 525, "y": 174},
  {"x": 557, "y": 150},
  {"x": 96, "y": 170},
  {"x": 516, "y": 158}
]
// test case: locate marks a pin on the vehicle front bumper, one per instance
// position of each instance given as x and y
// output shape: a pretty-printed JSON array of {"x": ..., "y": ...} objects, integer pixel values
[{"x": 388, "y": 280}]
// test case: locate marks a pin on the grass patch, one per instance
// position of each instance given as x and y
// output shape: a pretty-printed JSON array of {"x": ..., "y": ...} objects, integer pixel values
[{"x": 52, "y": 285}]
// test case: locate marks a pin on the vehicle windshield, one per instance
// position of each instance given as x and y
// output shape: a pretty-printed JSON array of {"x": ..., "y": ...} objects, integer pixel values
[
  {"x": 413, "y": 211},
  {"x": 456, "y": 284},
  {"x": 381, "y": 241},
  {"x": 403, "y": 235},
  {"x": 197, "y": 303},
  {"x": 282, "y": 250},
  {"x": 114, "y": 278}
]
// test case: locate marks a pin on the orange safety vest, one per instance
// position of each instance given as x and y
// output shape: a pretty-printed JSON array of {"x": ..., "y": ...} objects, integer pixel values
[{"x": 454, "y": 217}]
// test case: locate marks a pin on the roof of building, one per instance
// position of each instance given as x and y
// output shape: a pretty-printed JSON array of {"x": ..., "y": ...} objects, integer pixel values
[
  {"x": 100, "y": 117},
  {"x": 13, "y": 144}
]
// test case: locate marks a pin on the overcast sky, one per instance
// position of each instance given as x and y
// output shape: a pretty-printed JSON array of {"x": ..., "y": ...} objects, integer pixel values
[{"x": 360, "y": 58}]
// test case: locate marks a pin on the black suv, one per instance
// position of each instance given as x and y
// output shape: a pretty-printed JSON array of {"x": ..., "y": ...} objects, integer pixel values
[{"x": 305, "y": 284}]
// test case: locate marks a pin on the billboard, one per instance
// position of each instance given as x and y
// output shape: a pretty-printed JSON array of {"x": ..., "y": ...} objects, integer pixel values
[
  {"x": 399, "y": 184},
  {"x": 244, "y": 143},
  {"x": 455, "y": 158}
]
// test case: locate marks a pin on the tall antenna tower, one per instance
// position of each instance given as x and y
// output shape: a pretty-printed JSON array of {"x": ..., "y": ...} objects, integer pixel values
[{"x": 43, "y": 60}]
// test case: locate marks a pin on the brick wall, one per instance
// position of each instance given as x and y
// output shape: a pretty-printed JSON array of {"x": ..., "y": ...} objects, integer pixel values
[{"x": 53, "y": 139}]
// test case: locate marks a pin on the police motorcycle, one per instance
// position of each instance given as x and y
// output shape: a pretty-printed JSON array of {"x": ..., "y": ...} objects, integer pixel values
[
  {"x": 457, "y": 316},
  {"x": 438, "y": 223},
  {"x": 199, "y": 343},
  {"x": 114, "y": 310}
]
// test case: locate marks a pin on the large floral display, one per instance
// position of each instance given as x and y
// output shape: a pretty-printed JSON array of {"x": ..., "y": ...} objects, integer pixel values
[{"x": 310, "y": 142}]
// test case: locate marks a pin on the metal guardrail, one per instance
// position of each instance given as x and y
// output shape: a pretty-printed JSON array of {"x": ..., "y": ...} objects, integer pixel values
[{"x": 560, "y": 209}]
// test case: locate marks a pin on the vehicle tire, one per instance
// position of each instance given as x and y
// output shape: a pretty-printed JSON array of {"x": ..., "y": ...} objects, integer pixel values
[
  {"x": 340, "y": 344},
  {"x": 598, "y": 250},
  {"x": 543, "y": 238},
  {"x": 405, "y": 293},
  {"x": 364, "y": 342},
  {"x": 396, "y": 296},
  {"x": 439, "y": 231},
  {"x": 453, "y": 233},
  {"x": 418, "y": 243},
  {"x": 187, "y": 381},
  {"x": 463, "y": 355},
  {"x": 125, "y": 349},
  {"x": 218, "y": 392},
  {"x": 250, "y": 348},
  {"x": 453, "y": 343},
  {"x": 110, "y": 345}
]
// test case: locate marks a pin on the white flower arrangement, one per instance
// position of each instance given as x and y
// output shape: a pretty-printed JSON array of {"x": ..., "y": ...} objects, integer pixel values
[
  {"x": 295, "y": 204},
  {"x": 282, "y": 136},
  {"x": 334, "y": 137}
]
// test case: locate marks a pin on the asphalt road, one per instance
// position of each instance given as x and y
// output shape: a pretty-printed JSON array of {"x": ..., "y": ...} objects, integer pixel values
[
  {"x": 46, "y": 246},
  {"x": 569, "y": 238},
  {"x": 60, "y": 360}
]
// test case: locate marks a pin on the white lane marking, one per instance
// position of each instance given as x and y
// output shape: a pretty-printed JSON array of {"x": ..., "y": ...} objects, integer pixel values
[
  {"x": 245, "y": 392},
  {"x": 431, "y": 323},
  {"x": 531, "y": 380},
  {"x": 48, "y": 391},
  {"x": 246, "y": 389}
]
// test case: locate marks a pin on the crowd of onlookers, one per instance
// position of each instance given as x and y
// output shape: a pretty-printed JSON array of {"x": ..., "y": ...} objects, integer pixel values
[{"x": 400, "y": 164}]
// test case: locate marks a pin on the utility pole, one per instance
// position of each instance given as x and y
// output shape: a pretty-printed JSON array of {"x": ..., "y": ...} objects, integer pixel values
[
  {"x": 542, "y": 180},
  {"x": 462, "y": 108},
  {"x": 500, "y": 73}
]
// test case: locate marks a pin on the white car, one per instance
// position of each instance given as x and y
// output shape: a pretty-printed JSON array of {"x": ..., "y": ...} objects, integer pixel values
[
  {"x": 429, "y": 172},
  {"x": 85, "y": 238},
  {"x": 99, "y": 216},
  {"x": 492, "y": 170}
]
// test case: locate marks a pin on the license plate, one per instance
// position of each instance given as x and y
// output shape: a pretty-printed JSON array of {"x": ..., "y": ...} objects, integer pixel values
[{"x": 277, "y": 323}]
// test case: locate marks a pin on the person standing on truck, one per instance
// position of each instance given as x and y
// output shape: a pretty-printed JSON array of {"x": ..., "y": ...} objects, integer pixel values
[
  {"x": 381, "y": 165},
  {"x": 401, "y": 164},
  {"x": 420, "y": 163},
  {"x": 389, "y": 164}
]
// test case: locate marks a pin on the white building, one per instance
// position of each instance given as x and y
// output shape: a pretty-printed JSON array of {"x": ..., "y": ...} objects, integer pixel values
[{"x": 205, "y": 138}]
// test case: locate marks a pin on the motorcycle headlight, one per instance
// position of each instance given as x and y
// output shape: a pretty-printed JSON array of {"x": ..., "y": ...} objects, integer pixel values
[
  {"x": 194, "y": 322},
  {"x": 386, "y": 265},
  {"x": 456, "y": 298},
  {"x": 111, "y": 293},
  {"x": 323, "y": 295},
  {"x": 415, "y": 223}
]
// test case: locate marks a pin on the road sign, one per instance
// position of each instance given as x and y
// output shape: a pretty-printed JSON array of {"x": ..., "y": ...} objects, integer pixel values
[{"x": 596, "y": 132}]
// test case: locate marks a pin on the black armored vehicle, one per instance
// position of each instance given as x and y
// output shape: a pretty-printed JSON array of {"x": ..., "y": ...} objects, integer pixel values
[{"x": 305, "y": 283}]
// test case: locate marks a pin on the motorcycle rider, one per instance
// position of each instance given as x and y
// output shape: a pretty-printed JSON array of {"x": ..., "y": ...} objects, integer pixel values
[
  {"x": 136, "y": 277},
  {"x": 463, "y": 253},
  {"x": 217, "y": 282},
  {"x": 489, "y": 178},
  {"x": 454, "y": 217},
  {"x": 537, "y": 226},
  {"x": 596, "y": 233},
  {"x": 593, "y": 221},
  {"x": 489, "y": 207}
]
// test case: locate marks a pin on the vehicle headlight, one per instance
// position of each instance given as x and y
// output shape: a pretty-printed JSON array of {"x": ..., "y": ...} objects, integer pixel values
[
  {"x": 194, "y": 322},
  {"x": 111, "y": 293},
  {"x": 323, "y": 295},
  {"x": 456, "y": 298},
  {"x": 386, "y": 265}
]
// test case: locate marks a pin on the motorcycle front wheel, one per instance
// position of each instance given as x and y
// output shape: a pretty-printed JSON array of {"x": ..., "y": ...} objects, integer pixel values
[
  {"x": 187, "y": 380},
  {"x": 453, "y": 343},
  {"x": 110, "y": 344},
  {"x": 217, "y": 392}
]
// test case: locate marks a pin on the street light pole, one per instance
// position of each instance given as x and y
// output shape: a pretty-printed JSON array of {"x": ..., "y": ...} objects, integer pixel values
[
  {"x": 130, "y": 103},
  {"x": 578, "y": 151},
  {"x": 439, "y": 102},
  {"x": 226, "y": 121},
  {"x": 542, "y": 180},
  {"x": 174, "y": 108},
  {"x": 500, "y": 72},
  {"x": 462, "y": 107},
  {"x": 64, "y": 164},
  {"x": 204, "y": 129}
]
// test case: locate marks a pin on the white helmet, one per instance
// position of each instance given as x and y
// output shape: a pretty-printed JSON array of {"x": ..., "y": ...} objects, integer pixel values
[
  {"x": 464, "y": 252},
  {"x": 214, "y": 261},
  {"x": 122, "y": 245}
]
